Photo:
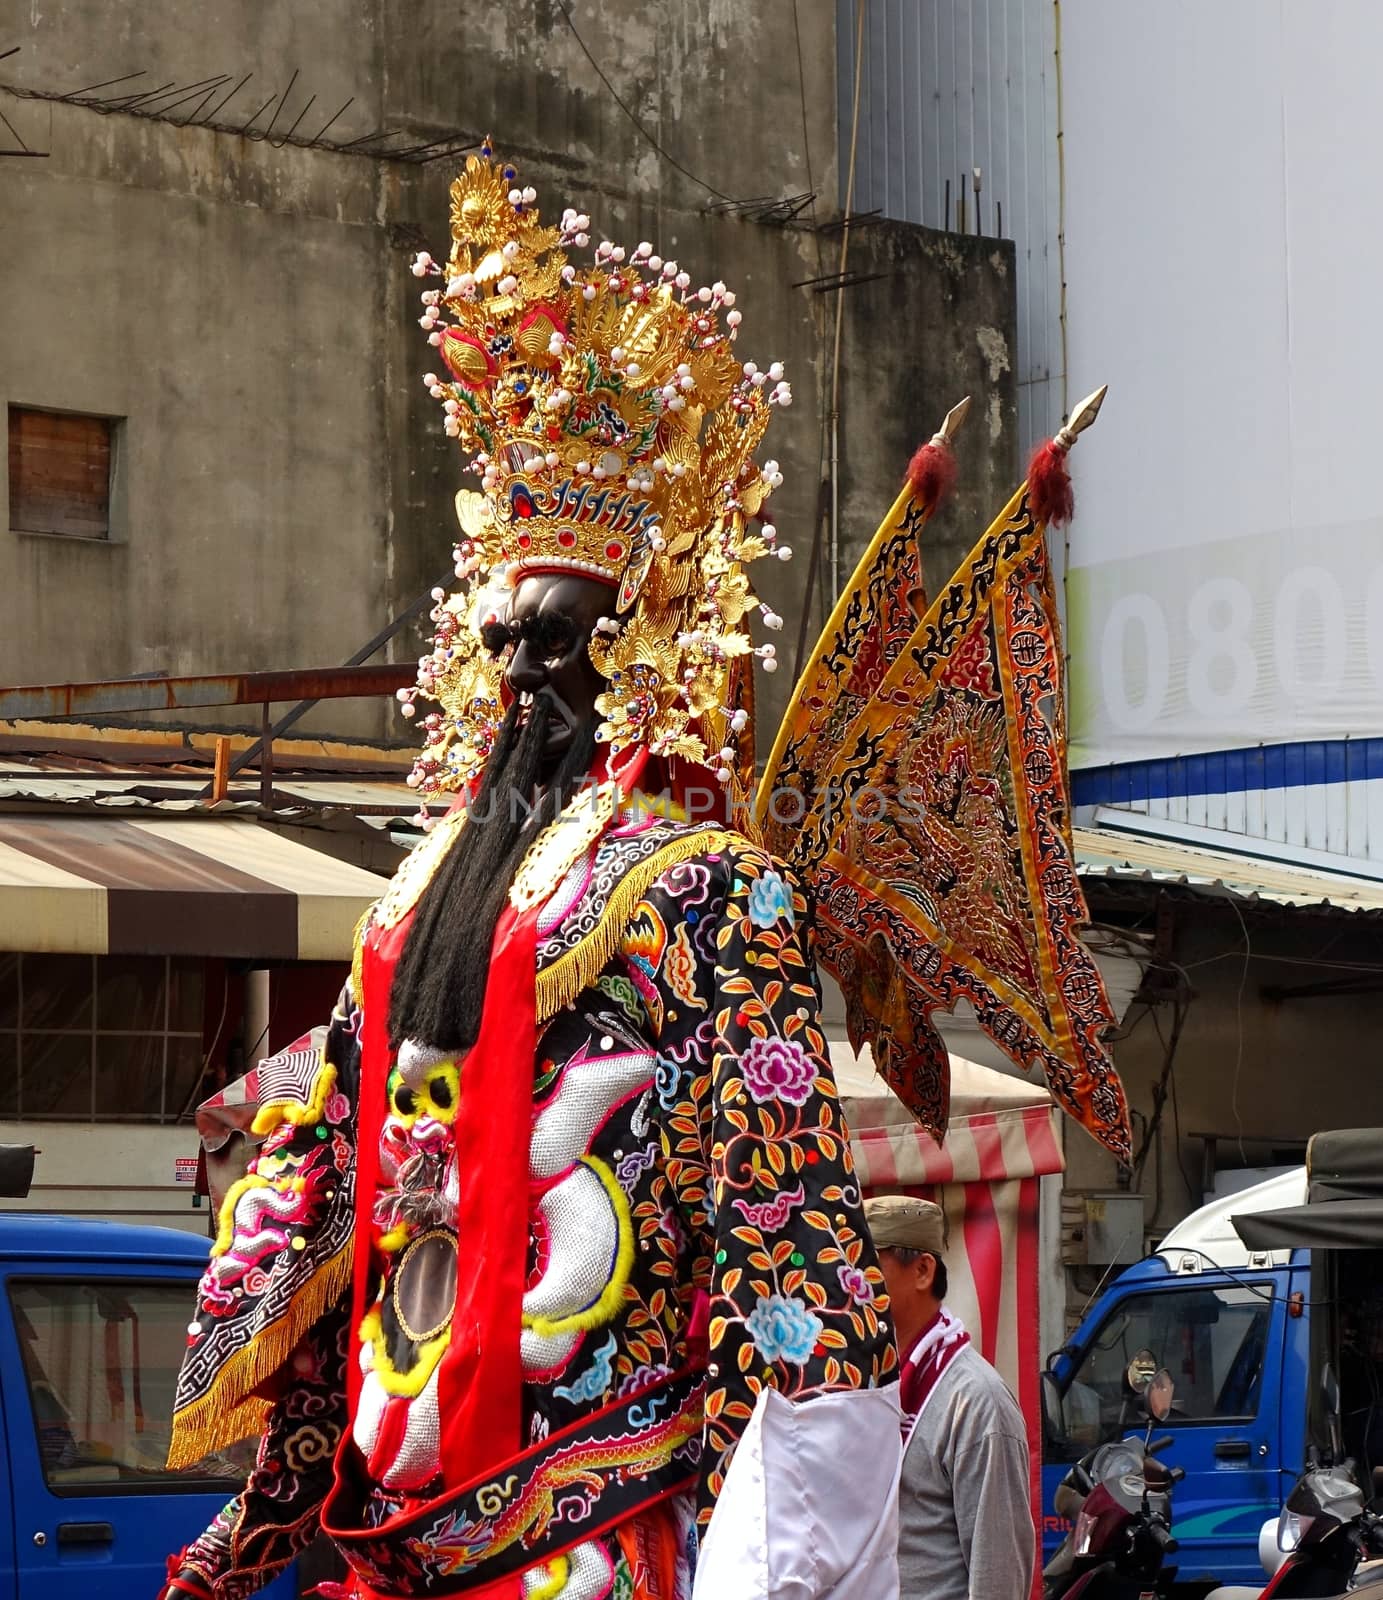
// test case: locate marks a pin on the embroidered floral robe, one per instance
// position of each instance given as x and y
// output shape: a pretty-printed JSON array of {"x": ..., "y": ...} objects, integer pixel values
[{"x": 692, "y": 1190}]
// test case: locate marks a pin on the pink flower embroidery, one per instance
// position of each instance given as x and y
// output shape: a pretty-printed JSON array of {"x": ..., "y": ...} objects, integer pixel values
[
  {"x": 778, "y": 1069},
  {"x": 856, "y": 1284}
]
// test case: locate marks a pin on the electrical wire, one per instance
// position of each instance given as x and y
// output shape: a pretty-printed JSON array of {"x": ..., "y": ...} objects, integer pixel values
[
  {"x": 211, "y": 1049},
  {"x": 1239, "y": 1032},
  {"x": 671, "y": 160},
  {"x": 1270, "y": 1294},
  {"x": 819, "y": 318},
  {"x": 1176, "y": 1115}
]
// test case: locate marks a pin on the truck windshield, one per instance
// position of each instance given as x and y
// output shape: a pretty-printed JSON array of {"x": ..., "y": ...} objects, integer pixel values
[
  {"x": 1212, "y": 1340},
  {"x": 101, "y": 1362}
]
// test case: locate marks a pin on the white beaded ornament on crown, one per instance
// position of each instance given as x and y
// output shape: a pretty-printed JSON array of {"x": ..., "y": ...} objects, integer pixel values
[{"x": 613, "y": 430}]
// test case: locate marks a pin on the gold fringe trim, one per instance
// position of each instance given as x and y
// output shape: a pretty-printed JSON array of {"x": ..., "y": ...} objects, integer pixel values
[
  {"x": 230, "y": 1410},
  {"x": 358, "y": 957},
  {"x": 559, "y": 984}
]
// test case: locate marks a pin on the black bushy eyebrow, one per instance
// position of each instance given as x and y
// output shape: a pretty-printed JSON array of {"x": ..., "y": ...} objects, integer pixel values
[
  {"x": 497, "y": 636},
  {"x": 550, "y": 632}
]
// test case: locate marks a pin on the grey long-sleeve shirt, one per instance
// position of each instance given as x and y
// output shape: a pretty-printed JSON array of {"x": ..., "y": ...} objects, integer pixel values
[{"x": 965, "y": 1520}]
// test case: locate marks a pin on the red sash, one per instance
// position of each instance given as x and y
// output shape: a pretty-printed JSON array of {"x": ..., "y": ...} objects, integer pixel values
[{"x": 480, "y": 1378}]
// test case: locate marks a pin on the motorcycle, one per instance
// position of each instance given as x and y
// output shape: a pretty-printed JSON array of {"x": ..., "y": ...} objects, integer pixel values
[
  {"x": 1118, "y": 1500},
  {"x": 1327, "y": 1540}
]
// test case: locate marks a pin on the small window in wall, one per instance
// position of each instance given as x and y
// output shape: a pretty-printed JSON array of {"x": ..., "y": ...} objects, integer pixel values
[
  {"x": 99, "y": 1038},
  {"x": 60, "y": 473}
]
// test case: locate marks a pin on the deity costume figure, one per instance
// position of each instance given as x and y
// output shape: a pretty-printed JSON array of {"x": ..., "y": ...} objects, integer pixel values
[
  {"x": 567, "y": 1187},
  {"x": 549, "y": 1277}
]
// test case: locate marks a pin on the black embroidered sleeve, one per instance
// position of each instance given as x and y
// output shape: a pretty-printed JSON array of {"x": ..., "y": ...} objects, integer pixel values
[
  {"x": 758, "y": 1150},
  {"x": 276, "y": 1516}
]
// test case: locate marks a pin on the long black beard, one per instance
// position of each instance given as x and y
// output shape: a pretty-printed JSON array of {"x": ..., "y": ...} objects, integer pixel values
[{"x": 439, "y": 983}]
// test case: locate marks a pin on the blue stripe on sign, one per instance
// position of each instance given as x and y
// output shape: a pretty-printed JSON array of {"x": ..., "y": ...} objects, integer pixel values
[{"x": 1273, "y": 766}]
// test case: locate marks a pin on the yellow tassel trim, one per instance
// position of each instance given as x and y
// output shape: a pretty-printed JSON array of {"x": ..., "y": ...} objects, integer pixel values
[
  {"x": 410, "y": 1384},
  {"x": 577, "y": 969},
  {"x": 612, "y": 1296},
  {"x": 230, "y": 1410},
  {"x": 301, "y": 1113}
]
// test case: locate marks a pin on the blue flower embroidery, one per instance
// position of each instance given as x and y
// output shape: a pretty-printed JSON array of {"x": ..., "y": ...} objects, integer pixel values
[
  {"x": 667, "y": 1079},
  {"x": 783, "y": 1329},
  {"x": 592, "y": 1383},
  {"x": 769, "y": 899}
]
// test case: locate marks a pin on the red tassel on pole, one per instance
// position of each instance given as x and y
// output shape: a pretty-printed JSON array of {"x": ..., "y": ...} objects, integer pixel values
[
  {"x": 1050, "y": 494},
  {"x": 932, "y": 472}
]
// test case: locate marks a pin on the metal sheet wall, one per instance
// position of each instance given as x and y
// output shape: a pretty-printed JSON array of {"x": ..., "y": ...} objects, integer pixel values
[{"x": 947, "y": 86}]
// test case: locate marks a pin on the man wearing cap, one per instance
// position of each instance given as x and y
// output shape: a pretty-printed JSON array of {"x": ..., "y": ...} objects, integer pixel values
[{"x": 965, "y": 1523}]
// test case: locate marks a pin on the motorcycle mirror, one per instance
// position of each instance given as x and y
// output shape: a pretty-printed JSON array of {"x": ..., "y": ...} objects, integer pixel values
[
  {"x": 1067, "y": 1502},
  {"x": 1141, "y": 1371},
  {"x": 1053, "y": 1413},
  {"x": 1158, "y": 1395}
]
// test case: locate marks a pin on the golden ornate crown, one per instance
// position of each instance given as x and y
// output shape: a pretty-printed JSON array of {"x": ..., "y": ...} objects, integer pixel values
[{"x": 613, "y": 429}]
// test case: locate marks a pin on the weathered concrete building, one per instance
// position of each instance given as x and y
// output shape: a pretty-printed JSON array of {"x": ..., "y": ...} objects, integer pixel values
[
  {"x": 221, "y": 457},
  {"x": 220, "y": 267}
]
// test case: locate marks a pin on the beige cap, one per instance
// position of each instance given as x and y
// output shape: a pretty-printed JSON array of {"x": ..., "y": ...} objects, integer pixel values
[{"x": 900, "y": 1222}]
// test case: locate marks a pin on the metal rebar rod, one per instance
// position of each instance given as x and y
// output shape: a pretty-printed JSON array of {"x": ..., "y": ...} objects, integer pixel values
[
  {"x": 287, "y": 136},
  {"x": 221, "y": 105},
  {"x": 358, "y": 659},
  {"x": 127, "y": 102},
  {"x": 283, "y": 101},
  {"x": 246, "y": 126},
  {"x": 192, "y": 93},
  {"x": 332, "y": 118},
  {"x": 24, "y": 149},
  {"x": 91, "y": 87}
]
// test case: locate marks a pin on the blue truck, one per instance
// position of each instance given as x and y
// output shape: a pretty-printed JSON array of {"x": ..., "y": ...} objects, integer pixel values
[
  {"x": 1233, "y": 1326},
  {"x": 93, "y": 1323},
  {"x": 1250, "y": 1303}
]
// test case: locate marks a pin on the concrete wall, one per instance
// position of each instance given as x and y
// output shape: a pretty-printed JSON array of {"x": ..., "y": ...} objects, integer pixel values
[
  {"x": 223, "y": 298},
  {"x": 127, "y": 1172},
  {"x": 249, "y": 309},
  {"x": 1250, "y": 1066}
]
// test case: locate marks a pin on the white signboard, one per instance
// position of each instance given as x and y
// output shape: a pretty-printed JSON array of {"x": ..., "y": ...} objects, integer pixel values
[{"x": 1223, "y": 236}]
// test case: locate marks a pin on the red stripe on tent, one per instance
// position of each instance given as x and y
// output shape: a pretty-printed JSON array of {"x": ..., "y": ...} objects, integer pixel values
[
  {"x": 872, "y": 1156},
  {"x": 984, "y": 1249},
  {"x": 1040, "y": 1128},
  {"x": 989, "y": 1146},
  {"x": 1029, "y": 1382}
]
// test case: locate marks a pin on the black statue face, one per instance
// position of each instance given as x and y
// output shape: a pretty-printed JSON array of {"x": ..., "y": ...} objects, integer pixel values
[
  {"x": 546, "y": 632},
  {"x": 543, "y": 752}
]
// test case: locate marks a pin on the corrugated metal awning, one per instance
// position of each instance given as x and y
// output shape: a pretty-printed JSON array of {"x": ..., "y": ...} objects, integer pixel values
[
  {"x": 214, "y": 887},
  {"x": 1130, "y": 856}
]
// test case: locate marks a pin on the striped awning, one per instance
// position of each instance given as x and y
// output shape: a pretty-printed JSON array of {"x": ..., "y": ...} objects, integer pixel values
[
  {"x": 1001, "y": 1128},
  {"x": 205, "y": 887}
]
